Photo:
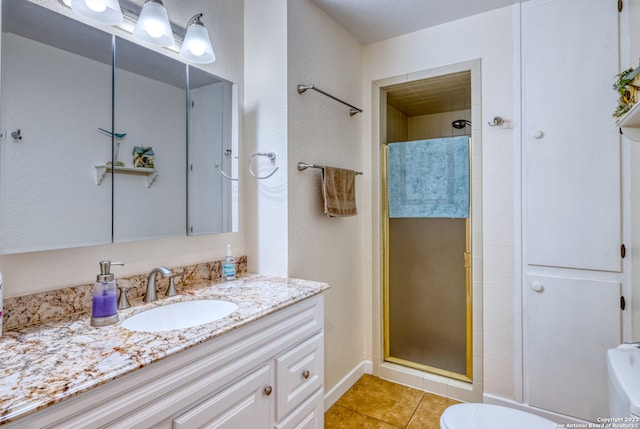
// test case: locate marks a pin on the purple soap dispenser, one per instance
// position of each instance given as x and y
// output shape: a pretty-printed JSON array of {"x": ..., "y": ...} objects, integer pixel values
[{"x": 104, "y": 309}]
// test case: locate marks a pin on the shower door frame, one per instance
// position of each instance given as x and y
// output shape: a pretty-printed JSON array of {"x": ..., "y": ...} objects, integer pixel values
[{"x": 468, "y": 376}]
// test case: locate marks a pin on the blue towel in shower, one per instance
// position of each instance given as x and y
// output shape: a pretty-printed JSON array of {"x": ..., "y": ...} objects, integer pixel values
[{"x": 429, "y": 178}]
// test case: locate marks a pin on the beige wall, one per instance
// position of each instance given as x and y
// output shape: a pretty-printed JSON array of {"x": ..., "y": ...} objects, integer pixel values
[
  {"x": 322, "y": 132},
  {"x": 38, "y": 271},
  {"x": 265, "y": 115}
]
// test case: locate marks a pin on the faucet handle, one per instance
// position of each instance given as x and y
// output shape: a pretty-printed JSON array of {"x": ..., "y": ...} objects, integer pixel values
[
  {"x": 123, "y": 302},
  {"x": 171, "y": 290}
]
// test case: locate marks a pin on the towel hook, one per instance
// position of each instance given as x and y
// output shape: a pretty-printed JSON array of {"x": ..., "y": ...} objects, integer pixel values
[{"x": 271, "y": 156}]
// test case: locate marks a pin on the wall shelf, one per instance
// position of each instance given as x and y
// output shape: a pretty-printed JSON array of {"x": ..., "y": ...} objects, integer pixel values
[
  {"x": 150, "y": 173},
  {"x": 629, "y": 123}
]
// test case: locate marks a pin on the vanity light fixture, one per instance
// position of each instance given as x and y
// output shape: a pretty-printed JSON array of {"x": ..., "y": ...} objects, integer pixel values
[
  {"x": 196, "y": 46},
  {"x": 153, "y": 24},
  {"x": 101, "y": 11}
]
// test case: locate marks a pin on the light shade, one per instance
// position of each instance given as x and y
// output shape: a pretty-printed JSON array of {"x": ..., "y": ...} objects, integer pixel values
[
  {"x": 101, "y": 11},
  {"x": 153, "y": 24},
  {"x": 196, "y": 46}
]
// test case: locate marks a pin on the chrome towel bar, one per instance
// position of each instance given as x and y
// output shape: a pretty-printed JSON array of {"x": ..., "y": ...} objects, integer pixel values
[
  {"x": 353, "y": 110},
  {"x": 303, "y": 166}
]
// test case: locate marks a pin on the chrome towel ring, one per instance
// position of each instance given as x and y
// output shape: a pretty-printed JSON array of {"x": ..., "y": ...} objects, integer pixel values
[
  {"x": 227, "y": 176},
  {"x": 271, "y": 156}
]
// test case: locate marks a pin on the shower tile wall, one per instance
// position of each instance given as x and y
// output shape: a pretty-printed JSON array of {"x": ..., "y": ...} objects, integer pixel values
[
  {"x": 396, "y": 126},
  {"x": 437, "y": 125}
]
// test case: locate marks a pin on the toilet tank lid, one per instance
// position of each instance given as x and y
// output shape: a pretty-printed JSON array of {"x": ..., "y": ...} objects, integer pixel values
[{"x": 623, "y": 364}]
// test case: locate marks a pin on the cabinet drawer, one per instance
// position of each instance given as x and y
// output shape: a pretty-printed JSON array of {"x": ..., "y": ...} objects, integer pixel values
[{"x": 299, "y": 373}]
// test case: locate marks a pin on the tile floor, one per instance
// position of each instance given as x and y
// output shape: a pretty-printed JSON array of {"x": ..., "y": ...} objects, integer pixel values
[{"x": 373, "y": 403}]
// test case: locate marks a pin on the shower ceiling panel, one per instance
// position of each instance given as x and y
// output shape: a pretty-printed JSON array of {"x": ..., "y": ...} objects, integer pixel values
[{"x": 434, "y": 95}]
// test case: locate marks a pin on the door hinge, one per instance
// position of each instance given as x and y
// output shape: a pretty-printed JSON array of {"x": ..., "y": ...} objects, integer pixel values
[
  {"x": 623, "y": 303},
  {"x": 623, "y": 251},
  {"x": 619, "y": 5}
]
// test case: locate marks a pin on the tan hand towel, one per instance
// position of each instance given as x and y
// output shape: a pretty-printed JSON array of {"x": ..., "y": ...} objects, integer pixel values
[{"x": 339, "y": 192}]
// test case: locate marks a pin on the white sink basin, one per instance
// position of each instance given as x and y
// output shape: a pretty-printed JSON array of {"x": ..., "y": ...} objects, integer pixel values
[{"x": 179, "y": 315}]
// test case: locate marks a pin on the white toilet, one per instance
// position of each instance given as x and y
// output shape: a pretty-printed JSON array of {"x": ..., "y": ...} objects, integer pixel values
[
  {"x": 623, "y": 365},
  {"x": 486, "y": 416}
]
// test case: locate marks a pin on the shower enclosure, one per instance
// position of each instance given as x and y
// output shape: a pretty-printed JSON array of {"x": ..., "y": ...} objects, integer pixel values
[
  {"x": 426, "y": 225},
  {"x": 427, "y": 259}
]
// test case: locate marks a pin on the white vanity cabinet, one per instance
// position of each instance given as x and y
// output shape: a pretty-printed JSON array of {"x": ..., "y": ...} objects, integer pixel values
[{"x": 266, "y": 374}]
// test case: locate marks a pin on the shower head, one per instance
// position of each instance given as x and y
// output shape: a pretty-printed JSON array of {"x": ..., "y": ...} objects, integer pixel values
[{"x": 460, "y": 123}]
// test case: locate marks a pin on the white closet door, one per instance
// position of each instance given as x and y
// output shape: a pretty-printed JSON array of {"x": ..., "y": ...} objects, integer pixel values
[
  {"x": 570, "y": 324},
  {"x": 572, "y": 147}
]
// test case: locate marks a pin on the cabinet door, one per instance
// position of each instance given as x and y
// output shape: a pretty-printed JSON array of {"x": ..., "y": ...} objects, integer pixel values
[
  {"x": 309, "y": 415},
  {"x": 572, "y": 147},
  {"x": 243, "y": 405},
  {"x": 569, "y": 325}
]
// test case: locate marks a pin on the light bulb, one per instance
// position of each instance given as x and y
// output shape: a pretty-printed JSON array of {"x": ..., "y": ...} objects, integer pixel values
[
  {"x": 154, "y": 29},
  {"x": 197, "y": 49},
  {"x": 106, "y": 12},
  {"x": 96, "y": 5}
]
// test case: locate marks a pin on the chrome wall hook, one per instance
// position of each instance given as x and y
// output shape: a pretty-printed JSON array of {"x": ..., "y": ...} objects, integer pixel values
[
  {"x": 271, "y": 156},
  {"x": 16, "y": 135},
  {"x": 497, "y": 121}
]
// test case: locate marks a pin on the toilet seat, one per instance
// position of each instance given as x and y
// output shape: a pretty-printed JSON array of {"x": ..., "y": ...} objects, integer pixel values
[{"x": 487, "y": 416}]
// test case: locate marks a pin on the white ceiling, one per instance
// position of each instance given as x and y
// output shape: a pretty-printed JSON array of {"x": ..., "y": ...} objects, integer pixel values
[
  {"x": 375, "y": 20},
  {"x": 371, "y": 21}
]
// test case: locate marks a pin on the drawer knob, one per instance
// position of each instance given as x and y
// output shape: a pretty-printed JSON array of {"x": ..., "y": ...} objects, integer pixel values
[
  {"x": 268, "y": 390},
  {"x": 306, "y": 373}
]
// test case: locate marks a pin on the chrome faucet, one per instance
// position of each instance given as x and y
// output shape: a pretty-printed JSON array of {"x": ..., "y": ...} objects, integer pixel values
[{"x": 151, "y": 294}]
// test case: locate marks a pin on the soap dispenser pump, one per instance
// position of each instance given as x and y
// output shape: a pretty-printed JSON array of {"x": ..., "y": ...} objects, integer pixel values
[
  {"x": 104, "y": 309},
  {"x": 229, "y": 265}
]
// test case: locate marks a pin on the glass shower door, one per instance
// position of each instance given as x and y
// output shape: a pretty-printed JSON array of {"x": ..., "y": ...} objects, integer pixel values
[{"x": 427, "y": 255}]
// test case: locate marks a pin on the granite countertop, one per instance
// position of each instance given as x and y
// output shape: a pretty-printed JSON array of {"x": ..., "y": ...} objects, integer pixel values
[{"x": 43, "y": 364}]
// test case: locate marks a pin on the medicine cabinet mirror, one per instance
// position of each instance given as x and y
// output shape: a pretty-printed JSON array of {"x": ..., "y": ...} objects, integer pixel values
[{"x": 75, "y": 101}]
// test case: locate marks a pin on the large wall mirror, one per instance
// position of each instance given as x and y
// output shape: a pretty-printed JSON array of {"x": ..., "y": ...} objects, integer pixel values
[{"x": 76, "y": 102}]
